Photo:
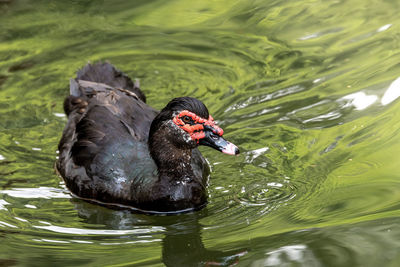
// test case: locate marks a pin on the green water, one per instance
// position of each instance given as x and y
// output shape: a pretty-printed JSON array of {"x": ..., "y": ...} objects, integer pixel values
[{"x": 307, "y": 89}]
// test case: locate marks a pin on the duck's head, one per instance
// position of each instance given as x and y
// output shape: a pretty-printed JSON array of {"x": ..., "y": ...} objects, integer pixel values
[{"x": 186, "y": 123}]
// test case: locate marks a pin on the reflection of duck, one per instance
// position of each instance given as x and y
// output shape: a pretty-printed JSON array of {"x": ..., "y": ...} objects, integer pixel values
[
  {"x": 117, "y": 149},
  {"x": 182, "y": 243},
  {"x": 184, "y": 247}
]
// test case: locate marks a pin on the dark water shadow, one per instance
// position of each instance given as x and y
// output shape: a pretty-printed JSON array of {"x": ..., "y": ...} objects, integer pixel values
[{"x": 182, "y": 243}]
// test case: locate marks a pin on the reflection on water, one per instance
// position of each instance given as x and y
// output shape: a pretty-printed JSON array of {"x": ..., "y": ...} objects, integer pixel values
[
  {"x": 182, "y": 243},
  {"x": 308, "y": 90},
  {"x": 40, "y": 192},
  {"x": 338, "y": 244},
  {"x": 392, "y": 93}
]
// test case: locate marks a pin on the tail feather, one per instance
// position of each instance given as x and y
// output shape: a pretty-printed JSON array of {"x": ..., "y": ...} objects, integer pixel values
[
  {"x": 74, "y": 88},
  {"x": 108, "y": 74}
]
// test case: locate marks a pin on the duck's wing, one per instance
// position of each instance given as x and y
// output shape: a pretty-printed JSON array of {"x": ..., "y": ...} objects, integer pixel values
[{"x": 104, "y": 141}]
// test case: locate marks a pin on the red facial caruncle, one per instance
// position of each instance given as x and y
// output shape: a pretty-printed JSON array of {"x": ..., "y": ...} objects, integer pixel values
[{"x": 194, "y": 125}]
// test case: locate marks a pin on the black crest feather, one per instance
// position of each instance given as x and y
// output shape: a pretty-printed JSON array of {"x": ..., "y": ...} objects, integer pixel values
[{"x": 188, "y": 103}]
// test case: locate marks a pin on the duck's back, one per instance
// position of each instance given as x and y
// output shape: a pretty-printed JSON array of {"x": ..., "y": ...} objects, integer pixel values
[{"x": 103, "y": 151}]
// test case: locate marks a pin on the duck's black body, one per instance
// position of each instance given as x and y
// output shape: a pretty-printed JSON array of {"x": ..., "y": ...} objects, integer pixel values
[{"x": 104, "y": 151}]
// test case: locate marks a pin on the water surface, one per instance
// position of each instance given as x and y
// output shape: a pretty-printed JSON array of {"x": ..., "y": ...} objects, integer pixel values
[{"x": 307, "y": 89}]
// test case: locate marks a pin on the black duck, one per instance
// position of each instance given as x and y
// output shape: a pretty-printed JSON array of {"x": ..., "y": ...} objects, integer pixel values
[{"x": 115, "y": 149}]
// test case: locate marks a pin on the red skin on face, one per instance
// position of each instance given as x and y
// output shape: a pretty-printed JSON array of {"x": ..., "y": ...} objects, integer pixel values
[{"x": 196, "y": 131}]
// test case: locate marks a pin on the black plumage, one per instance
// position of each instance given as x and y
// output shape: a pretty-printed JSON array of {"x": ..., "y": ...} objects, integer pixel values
[{"x": 116, "y": 149}]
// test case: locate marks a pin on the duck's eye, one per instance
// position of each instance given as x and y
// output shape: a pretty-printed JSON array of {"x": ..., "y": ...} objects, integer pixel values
[
  {"x": 186, "y": 119},
  {"x": 214, "y": 136}
]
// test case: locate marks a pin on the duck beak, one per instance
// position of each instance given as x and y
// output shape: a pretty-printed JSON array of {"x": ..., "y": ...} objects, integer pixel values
[{"x": 219, "y": 143}]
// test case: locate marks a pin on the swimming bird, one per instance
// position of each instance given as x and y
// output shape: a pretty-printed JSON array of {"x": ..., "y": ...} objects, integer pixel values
[{"x": 116, "y": 149}]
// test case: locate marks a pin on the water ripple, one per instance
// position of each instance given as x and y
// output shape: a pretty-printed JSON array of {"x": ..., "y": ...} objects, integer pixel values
[
  {"x": 313, "y": 106},
  {"x": 40, "y": 192},
  {"x": 78, "y": 231}
]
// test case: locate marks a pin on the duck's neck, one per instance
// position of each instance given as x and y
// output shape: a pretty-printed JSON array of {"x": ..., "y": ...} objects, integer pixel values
[
  {"x": 177, "y": 188},
  {"x": 173, "y": 163}
]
